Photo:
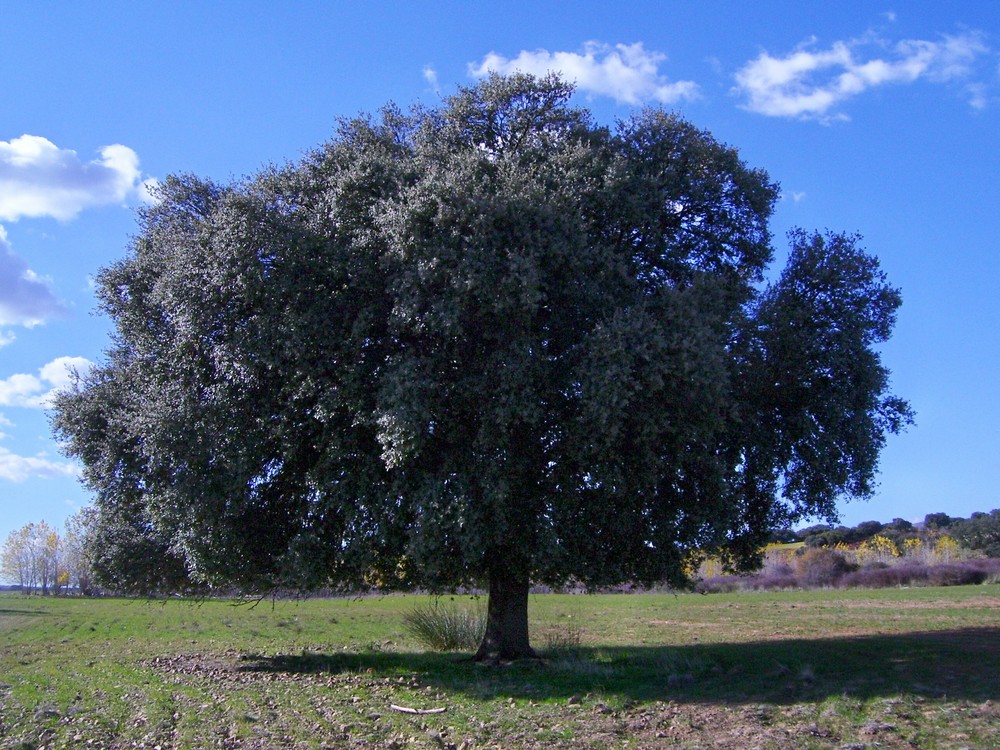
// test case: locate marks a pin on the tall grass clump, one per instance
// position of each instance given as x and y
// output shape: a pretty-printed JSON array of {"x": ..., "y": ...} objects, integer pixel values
[
  {"x": 562, "y": 640},
  {"x": 446, "y": 628}
]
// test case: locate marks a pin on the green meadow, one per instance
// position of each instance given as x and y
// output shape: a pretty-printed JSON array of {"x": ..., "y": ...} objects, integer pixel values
[{"x": 906, "y": 668}]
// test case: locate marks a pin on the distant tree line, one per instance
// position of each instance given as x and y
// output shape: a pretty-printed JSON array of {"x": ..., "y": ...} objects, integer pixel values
[
  {"x": 38, "y": 559},
  {"x": 980, "y": 532}
]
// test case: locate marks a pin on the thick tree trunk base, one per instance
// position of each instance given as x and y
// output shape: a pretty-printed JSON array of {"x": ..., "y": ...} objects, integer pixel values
[{"x": 506, "y": 637}]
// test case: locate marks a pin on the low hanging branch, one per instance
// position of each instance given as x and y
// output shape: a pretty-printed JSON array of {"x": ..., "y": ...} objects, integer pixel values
[{"x": 420, "y": 711}]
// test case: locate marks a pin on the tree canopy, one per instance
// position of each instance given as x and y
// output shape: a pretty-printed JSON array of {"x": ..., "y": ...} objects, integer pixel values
[
  {"x": 980, "y": 532},
  {"x": 490, "y": 342}
]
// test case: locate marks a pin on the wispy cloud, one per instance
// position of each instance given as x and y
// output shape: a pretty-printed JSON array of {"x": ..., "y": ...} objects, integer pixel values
[
  {"x": 37, "y": 178},
  {"x": 15, "y": 468},
  {"x": 431, "y": 76},
  {"x": 811, "y": 83},
  {"x": 37, "y": 391},
  {"x": 25, "y": 298},
  {"x": 628, "y": 73}
]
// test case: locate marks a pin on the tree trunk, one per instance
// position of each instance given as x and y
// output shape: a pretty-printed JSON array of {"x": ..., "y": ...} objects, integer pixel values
[{"x": 506, "y": 635}]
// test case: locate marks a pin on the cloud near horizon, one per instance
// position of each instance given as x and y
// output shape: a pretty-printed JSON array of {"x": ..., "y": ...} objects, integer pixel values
[
  {"x": 810, "y": 83},
  {"x": 37, "y": 178},
  {"x": 628, "y": 73},
  {"x": 37, "y": 391}
]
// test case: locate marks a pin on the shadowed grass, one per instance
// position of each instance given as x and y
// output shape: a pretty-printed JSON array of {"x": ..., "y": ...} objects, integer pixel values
[{"x": 958, "y": 663}]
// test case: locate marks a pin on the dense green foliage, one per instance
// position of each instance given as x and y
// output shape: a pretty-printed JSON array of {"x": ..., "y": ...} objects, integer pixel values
[
  {"x": 491, "y": 341},
  {"x": 980, "y": 532}
]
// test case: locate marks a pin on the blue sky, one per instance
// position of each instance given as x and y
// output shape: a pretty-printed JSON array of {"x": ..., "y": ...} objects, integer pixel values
[{"x": 881, "y": 120}]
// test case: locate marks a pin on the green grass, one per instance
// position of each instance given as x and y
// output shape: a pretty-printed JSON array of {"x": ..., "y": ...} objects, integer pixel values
[{"x": 821, "y": 669}]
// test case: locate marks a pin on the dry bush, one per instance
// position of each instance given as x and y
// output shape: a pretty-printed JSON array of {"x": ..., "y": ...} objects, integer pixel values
[{"x": 819, "y": 566}]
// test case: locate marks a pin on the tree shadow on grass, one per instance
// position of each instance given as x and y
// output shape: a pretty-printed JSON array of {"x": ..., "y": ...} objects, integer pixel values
[{"x": 958, "y": 664}]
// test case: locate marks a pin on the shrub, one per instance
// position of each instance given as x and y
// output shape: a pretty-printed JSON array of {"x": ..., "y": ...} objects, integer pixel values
[
  {"x": 956, "y": 575},
  {"x": 446, "y": 628},
  {"x": 719, "y": 585},
  {"x": 759, "y": 582},
  {"x": 772, "y": 582},
  {"x": 965, "y": 574},
  {"x": 946, "y": 549},
  {"x": 819, "y": 566},
  {"x": 990, "y": 564},
  {"x": 783, "y": 569},
  {"x": 882, "y": 576}
]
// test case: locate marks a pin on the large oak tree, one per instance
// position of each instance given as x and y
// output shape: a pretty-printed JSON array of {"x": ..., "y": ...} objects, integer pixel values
[{"x": 485, "y": 343}]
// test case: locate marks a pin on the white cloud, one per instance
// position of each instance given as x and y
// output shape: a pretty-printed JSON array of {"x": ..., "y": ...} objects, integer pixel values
[
  {"x": 16, "y": 468},
  {"x": 37, "y": 178},
  {"x": 628, "y": 73},
  {"x": 431, "y": 76},
  {"x": 6, "y": 337},
  {"x": 37, "y": 391},
  {"x": 25, "y": 298},
  {"x": 809, "y": 83}
]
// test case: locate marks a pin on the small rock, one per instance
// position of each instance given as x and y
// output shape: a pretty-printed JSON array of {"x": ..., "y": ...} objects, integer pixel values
[
  {"x": 574, "y": 700},
  {"x": 875, "y": 727}
]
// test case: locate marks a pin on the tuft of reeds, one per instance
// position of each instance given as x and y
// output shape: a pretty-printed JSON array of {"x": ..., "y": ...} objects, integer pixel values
[
  {"x": 446, "y": 628},
  {"x": 563, "y": 639}
]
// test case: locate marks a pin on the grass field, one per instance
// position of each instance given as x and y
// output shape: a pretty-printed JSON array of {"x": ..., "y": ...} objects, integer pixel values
[{"x": 897, "y": 668}]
